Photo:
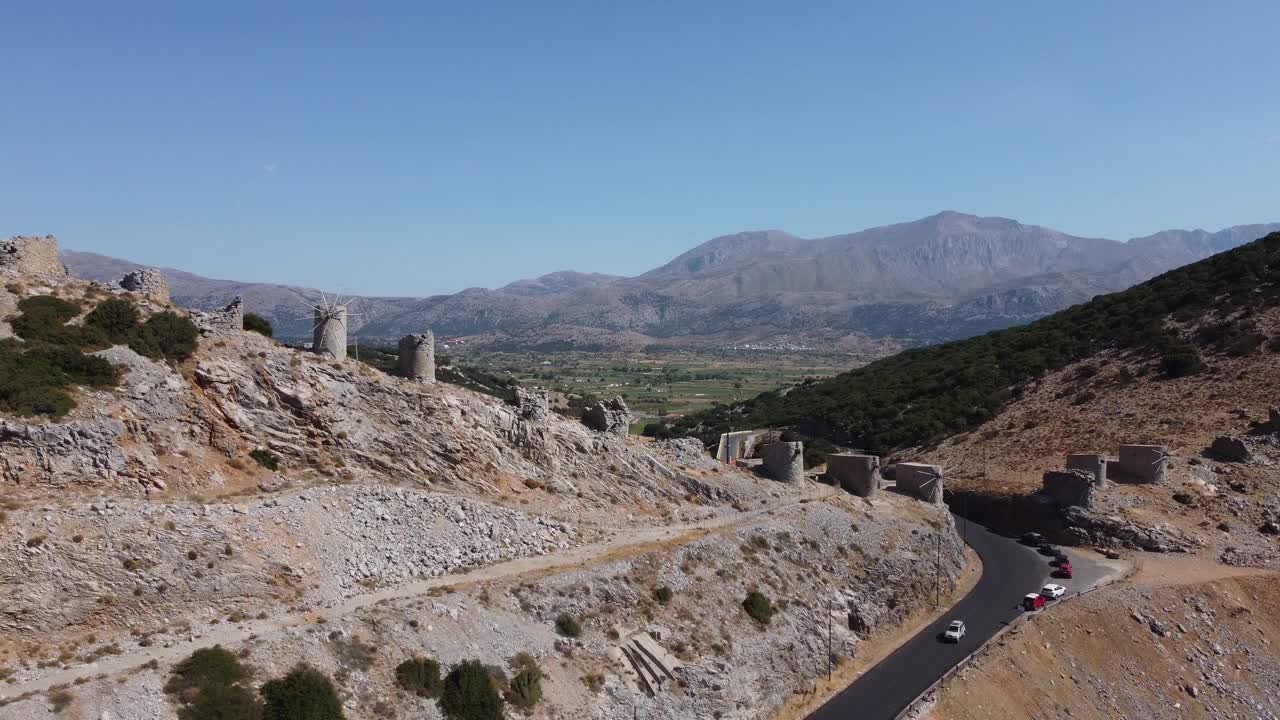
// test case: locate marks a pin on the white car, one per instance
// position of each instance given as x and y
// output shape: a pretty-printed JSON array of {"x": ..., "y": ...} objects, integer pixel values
[
  {"x": 954, "y": 632},
  {"x": 1052, "y": 592}
]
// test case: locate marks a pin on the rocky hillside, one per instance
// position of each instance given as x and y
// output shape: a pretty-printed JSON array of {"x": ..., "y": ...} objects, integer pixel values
[
  {"x": 943, "y": 277},
  {"x": 296, "y": 509}
]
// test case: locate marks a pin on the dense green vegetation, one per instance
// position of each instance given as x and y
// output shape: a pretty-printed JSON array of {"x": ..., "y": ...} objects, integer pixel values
[
  {"x": 758, "y": 607},
  {"x": 256, "y": 323},
  {"x": 304, "y": 694},
  {"x": 37, "y": 372},
  {"x": 211, "y": 684},
  {"x": 525, "y": 690},
  {"x": 925, "y": 394},
  {"x": 420, "y": 676},
  {"x": 470, "y": 694},
  {"x": 165, "y": 336}
]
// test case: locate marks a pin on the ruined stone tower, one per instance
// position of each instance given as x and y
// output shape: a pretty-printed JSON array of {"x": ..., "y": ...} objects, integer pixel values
[
  {"x": 418, "y": 357},
  {"x": 330, "y": 336},
  {"x": 147, "y": 282}
]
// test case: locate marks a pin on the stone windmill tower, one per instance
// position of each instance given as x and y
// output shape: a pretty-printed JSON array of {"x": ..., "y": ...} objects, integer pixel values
[{"x": 329, "y": 331}]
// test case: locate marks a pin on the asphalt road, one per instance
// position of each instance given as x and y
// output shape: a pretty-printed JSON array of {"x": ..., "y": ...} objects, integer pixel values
[{"x": 1009, "y": 571}]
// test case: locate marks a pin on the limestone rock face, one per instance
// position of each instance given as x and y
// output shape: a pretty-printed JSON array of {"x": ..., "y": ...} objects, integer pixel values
[
  {"x": 31, "y": 256},
  {"x": 1231, "y": 449},
  {"x": 1070, "y": 488},
  {"x": 532, "y": 405},
  {"x": 147, "y": 282},
  {"x": 608, "y": 416}
]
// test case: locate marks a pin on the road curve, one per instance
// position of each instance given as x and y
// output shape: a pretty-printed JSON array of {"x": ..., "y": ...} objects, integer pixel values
[{"x": 1009, "y": 571}]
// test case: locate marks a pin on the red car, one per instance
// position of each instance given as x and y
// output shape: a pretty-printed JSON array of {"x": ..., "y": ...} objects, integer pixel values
[
  {"x": 1063, "y": 571},
  {"x": 1033, "y": 601}
]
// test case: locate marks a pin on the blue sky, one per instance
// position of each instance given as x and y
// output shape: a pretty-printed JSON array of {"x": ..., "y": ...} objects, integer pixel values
[{"x": 424, "y": 147}]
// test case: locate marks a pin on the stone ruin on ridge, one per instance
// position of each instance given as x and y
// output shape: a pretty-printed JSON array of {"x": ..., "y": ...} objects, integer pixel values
[
  {"x": 418, "y": 357},
  {"x": 33, "y": 256},
  {"x": 147, "y": 282},
  {"x": 608, "y": 416}
]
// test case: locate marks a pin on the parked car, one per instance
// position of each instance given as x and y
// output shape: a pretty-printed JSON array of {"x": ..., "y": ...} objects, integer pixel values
[
  {"x": 1063, "y": 571},
  {"x": 1052, "y": 592},
  {"x": 1059, "y": 559},
  {"x": 954, "y": 632},
  {"x": 1032, "y": 602},
  {"x": 1049, "y": 550},
  {"x": 1032, "y": 538}
]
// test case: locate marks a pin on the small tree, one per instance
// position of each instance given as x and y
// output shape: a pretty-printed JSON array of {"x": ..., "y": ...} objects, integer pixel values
[
  {"x": 266, "y": 458},
  {"x": 758, "y": 607},
  {"x": 469, "y": 694},
  {"x": 304, "y": 694},
  {"x": 167, "y": 336},
  {"x": 116, "y": 318},
  {"x": 256, "y": 323},
  {"x": 567, "y": 625},
  {"x": 526, "y": 687},
  {"x": 419, "y": 675}
]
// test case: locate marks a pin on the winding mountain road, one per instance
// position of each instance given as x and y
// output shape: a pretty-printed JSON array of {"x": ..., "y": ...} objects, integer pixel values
[{"x": 1010, "y": 571}]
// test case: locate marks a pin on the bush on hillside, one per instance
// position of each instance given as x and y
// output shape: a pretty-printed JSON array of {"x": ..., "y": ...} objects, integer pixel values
[
  {"x": 420, "y": 676},
  {"x": 211, "y": 684},
  {"x": 206, "y": 666},
  {"x": 526, "y": 687},
  {"x": 469, "y": 693},
  {"x": 304, "y": 694},
  {"x": 266, "y": 459},
  {"x": 115, "y": 318},
  {"x": 758, "y": 607},
  {"x": 663, "y": 595},
  {"x": 35, "y": 381},
  {"x": 567, "y": 625},
  {"x": 256, "y": 323},
  {"x": 43, "y": 318},
  {"x": 166, "y": 336}
]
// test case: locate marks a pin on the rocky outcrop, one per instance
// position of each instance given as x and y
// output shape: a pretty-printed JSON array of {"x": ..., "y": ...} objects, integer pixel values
[
  {"x": 1230, "y": 449},
  {"x": 1086, "y": 528},
  {"x": 147, "y": 282},
  {"x": 608, "y": 416},
  {"x": 228, "y": 319},
  {"x": 1070, "y": 488},
  {"x": 532, "y": 405},
  {"x": 31, "y": 256},
  {"x": 62, "y": 453}
]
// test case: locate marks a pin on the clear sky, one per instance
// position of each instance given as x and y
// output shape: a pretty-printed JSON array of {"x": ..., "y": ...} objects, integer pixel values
[{"x": 423, "y": 147}]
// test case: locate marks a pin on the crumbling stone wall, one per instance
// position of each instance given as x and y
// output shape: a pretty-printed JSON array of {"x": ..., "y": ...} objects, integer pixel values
[
  {"x": 1142, "y": 464},
  {"x": 330, "y": 335},
  {"x": 148, "y": 283},
  {"x": 920, "y": 479},
  {"x": 22, "y": 255},
  {"x": 1095, "y": 465},
  {"x": 857, "y": 474},
  {"x": 1070, "y": 488},
  {"x": 228, "y": 319},
  {"x": 784, "y": 461},
  {"x": 418, "y": 357}
]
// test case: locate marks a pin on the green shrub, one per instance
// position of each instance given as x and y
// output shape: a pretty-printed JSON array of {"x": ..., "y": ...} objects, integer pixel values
[
  {"x": 43, "y": 318},
  {"x": 420, "y": 675},
  {"x": 758, "y": 607},
  {"x": 663, "y": 595},
  {"x": 115, "y": 318},
  {"x": 222, "y": 702},
  {"x": 206, "y": 666},
  {"x": 526, "y": 687},
  {"x": 469, "y": 693},
  {"x": 1181, "y": 361},
  {"x": 166, "y": 336},
  {"x": 257, "y": 323},
  {"x": 304, "y": 694},
  {"x": 567, "y": 625},
  {"x": 266, "y": 459}
]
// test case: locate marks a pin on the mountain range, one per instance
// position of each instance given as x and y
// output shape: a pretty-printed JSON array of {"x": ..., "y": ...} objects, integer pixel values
[{"x": 943, "y": 277}]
